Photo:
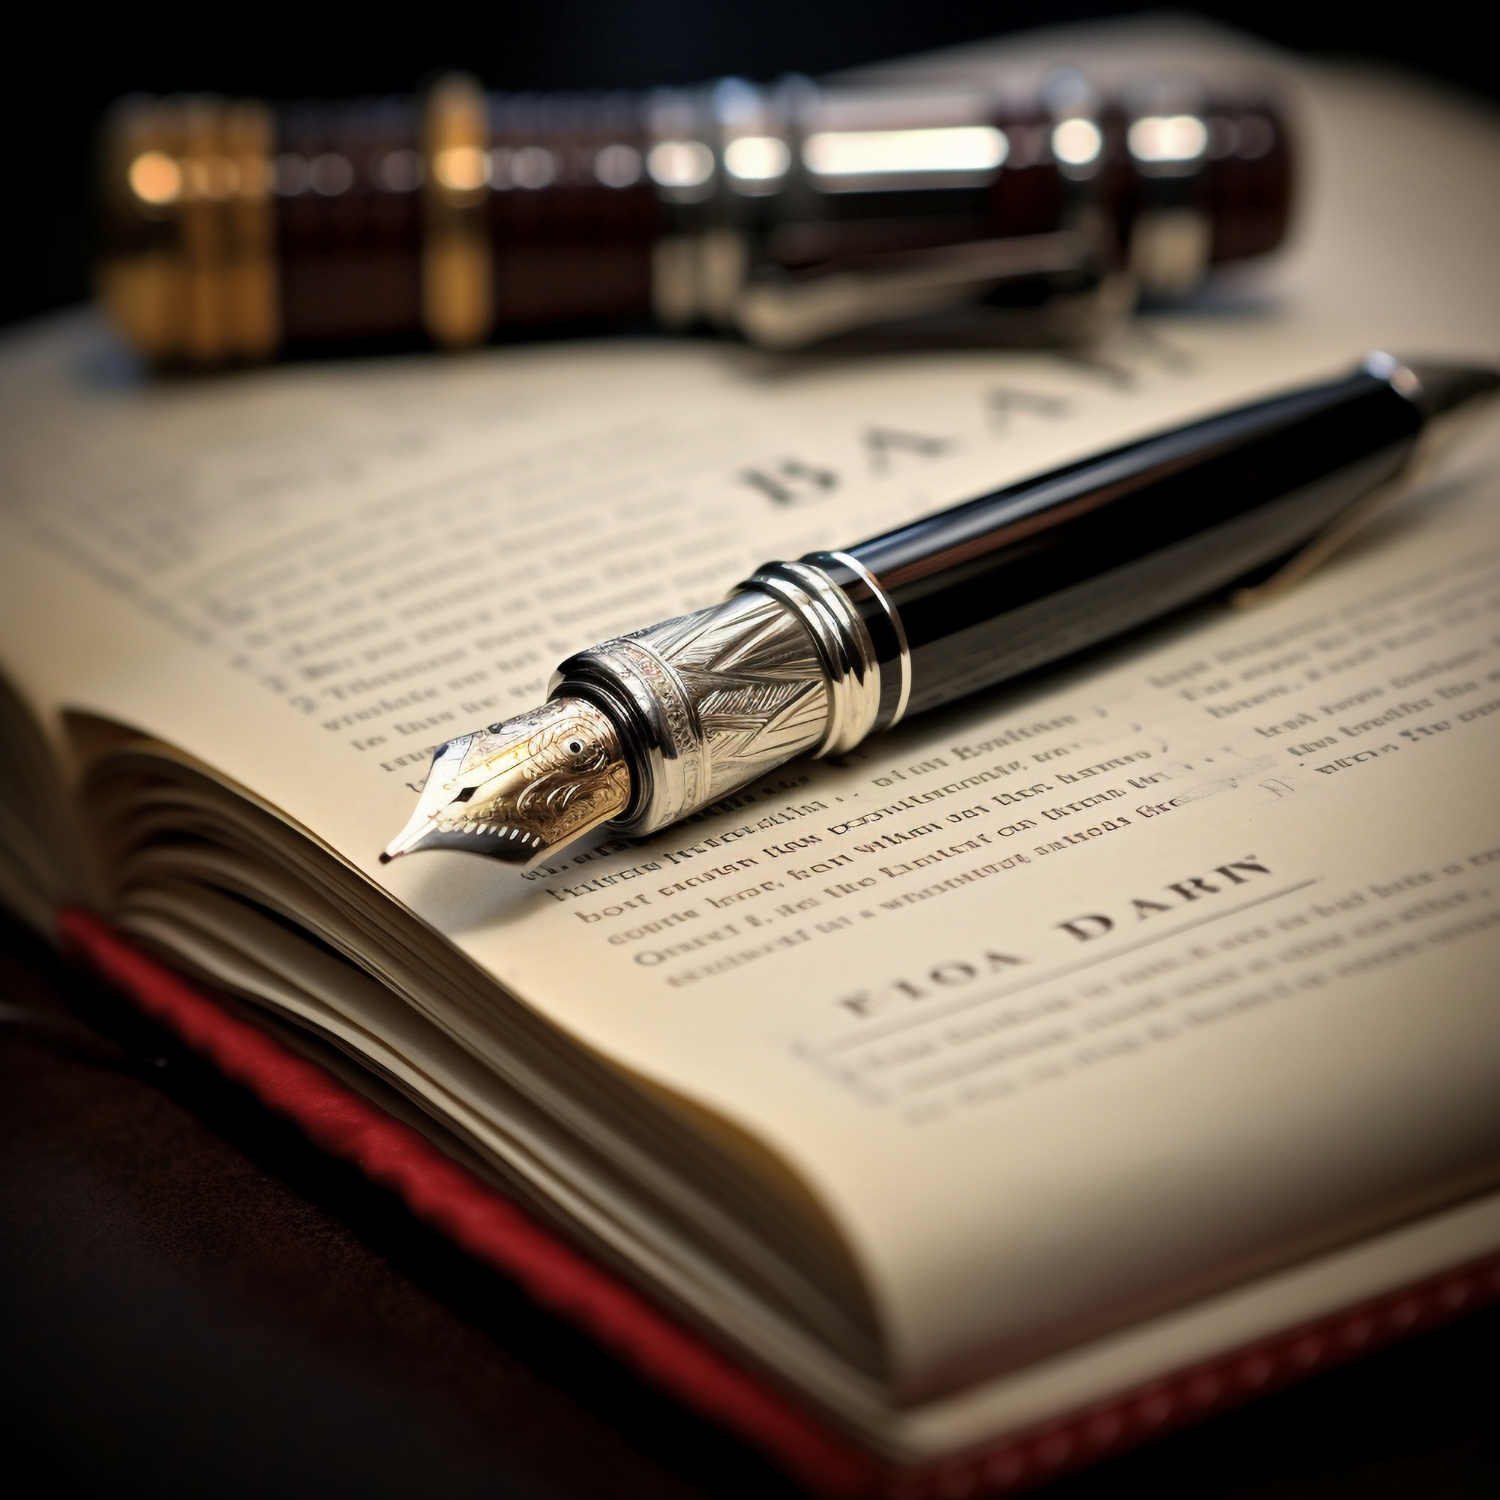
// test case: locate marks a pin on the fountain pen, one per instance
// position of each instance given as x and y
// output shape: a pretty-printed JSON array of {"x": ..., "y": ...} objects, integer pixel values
[{"x": 812, "y": 657}]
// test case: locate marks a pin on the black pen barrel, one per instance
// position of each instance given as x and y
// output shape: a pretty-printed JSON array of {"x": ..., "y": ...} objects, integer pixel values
[{"x": 1036, "y": 571}]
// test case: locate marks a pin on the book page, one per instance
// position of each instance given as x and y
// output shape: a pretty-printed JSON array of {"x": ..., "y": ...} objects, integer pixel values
[{"x": 1149, "y": 972}]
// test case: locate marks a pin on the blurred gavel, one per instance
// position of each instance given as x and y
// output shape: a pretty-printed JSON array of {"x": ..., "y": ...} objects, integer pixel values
[{"x": 789, "y": 214}]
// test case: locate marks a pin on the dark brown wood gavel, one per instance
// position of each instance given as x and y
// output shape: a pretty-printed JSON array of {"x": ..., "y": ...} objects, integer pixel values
[{"x": 789, "y": 215}]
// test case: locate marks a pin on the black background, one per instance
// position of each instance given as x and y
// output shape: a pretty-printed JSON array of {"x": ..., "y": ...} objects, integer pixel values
[{"x": 63, "y": 64}]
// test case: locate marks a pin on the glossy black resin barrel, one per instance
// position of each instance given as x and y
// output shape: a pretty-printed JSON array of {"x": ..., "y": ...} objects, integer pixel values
[{"x": 1038, "y": 570}]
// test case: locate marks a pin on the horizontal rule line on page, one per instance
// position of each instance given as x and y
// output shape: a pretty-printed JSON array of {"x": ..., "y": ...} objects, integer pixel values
[{"x": 894, "y": 1028}]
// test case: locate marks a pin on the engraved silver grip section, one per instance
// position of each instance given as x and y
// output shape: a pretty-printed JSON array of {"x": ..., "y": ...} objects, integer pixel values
[
  {"x": 709, "y": 701},
  {"x": 705, "y": 703}
]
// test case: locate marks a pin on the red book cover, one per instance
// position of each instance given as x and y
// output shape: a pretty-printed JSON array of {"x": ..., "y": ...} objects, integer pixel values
[{"x": 487, "y": 1225}]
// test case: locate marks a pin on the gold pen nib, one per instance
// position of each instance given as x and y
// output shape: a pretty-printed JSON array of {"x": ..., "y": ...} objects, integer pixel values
[{"x": 520, "y": 790}]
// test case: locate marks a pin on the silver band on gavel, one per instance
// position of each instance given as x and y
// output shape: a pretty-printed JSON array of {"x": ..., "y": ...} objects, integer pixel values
[{"x": 802, "y": 658}]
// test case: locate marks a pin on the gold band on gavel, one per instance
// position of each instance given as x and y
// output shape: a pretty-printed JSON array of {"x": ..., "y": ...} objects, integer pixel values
[
  {"x": 458, "y": 298},
  {"x": 192, "y": 275}
]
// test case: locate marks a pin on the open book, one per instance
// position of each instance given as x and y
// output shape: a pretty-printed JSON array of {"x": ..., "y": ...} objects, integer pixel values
[{"x": 1086, "y": 1032}]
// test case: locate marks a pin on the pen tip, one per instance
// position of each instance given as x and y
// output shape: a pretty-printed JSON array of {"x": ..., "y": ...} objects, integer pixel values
[{"x": 521, "y": 790}]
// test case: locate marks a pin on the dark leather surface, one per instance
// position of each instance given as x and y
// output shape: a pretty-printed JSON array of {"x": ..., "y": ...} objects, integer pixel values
[{"x": 193, "y": 1302}]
